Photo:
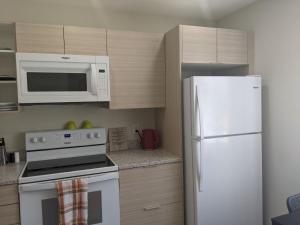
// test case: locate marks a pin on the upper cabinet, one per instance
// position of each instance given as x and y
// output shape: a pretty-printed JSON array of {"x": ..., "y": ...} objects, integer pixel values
[
  {"x": 85, "y": 40},
  {"x": 232, "y": 46},
  {"x": 35, "y": 38},
  {"x": 137, "y": 59},
  {"x": 199, "y": 44},
  {"x": 205, "y": 45},
  {"x": 137, "y": 63}
]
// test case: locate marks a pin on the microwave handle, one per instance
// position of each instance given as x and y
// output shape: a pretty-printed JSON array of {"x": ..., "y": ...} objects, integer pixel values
[
  {"x": 51, "y": 185},
  {"x": 94, "y": 79}
]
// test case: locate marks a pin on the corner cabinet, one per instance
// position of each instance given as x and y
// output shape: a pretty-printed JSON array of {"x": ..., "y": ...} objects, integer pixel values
[
  {"x": 85, "y": 40},
  {"x": 36, "y": 38},
  {"x": 137, "y": 63},
  {"x": 205, "y": 45},
  {"x": 152, "y": 195}
]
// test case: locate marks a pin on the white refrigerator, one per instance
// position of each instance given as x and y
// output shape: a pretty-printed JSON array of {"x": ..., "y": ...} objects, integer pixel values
[{"x": 223, "y": 150}]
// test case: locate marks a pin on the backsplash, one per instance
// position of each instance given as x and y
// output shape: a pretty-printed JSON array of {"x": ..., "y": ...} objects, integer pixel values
[{"x": 53, "y": 117}]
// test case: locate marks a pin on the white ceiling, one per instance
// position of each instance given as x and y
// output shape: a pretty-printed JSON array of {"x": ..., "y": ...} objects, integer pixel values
[{"x": 201, "y": 9}]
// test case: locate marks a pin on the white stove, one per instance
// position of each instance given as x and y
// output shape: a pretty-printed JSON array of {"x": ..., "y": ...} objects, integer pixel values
[{"x": 64, "y": 155}]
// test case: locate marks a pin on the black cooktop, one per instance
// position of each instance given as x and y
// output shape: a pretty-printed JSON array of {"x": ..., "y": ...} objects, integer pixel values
[{"x": 46, "y": 167}]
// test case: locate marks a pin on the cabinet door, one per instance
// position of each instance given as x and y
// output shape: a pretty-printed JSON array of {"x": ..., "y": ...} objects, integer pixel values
[
  {"x": 199, "y": 44},
  {"x": 9, "y": 214},
  {"x": 232, "y": 46},
  {"x": 8, "y": 194},
  {"x": 9, "y": 205},
  {"x": 85, "y": 40},
  {"x": 37, "y": 38},
  {"x": 144, "y": 187},
  {"x": 137, "y": 72}
]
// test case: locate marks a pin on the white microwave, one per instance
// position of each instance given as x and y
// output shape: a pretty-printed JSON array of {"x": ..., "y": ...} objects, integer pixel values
[{"x": 56, "y": 78}]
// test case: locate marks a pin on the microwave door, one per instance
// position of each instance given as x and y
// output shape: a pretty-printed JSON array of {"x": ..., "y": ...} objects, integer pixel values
[{"x": 57, "y": 82}]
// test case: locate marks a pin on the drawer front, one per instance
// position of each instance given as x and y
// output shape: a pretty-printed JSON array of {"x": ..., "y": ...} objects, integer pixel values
[
  {"x": 161, "y": 215},
  {"x": 8, "y": 194},
  {"x": 9, "y": 214},
  {"x": 153, "y": 185}
]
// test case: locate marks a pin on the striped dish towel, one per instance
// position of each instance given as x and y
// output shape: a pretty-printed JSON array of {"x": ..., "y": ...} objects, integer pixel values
[{"x": 72, "y": 201}]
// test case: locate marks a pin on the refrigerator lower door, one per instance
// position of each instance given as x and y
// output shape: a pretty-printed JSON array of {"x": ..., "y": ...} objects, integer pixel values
[{"x": 230, "y": 179}]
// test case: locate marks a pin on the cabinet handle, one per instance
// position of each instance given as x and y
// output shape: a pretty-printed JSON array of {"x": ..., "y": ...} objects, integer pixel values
[{"x": 151, "y": 207}]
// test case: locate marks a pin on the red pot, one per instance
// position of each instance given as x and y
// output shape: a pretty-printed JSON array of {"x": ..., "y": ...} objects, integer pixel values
[{"x": 149, "y": 138}]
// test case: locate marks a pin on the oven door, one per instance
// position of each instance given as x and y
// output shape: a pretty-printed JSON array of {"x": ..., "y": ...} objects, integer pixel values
[
  {"x": 51, "y": 82},
  {"x": 39, "y": 203}
]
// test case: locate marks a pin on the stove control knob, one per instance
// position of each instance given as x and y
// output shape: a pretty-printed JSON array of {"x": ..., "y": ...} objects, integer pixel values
[
  {"x": 34, "y": 140},
  {"x": 89, "y": 135},
  {"x": 42, "y": 139},
  {"x": 97, "y": 135}
]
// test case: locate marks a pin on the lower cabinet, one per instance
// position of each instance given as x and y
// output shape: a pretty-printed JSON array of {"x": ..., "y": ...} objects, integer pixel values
[
  {"x": 164, "y": 215},
  {"x": 152, "y": 195},
  {"x": 9, "y": 214},
  {"x": 9, "y": 205}
]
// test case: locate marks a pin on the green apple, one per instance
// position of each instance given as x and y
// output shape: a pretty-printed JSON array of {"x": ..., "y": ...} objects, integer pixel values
[
  {"x": 71, "y": 125},
  {"x": 86, "y": 124}
]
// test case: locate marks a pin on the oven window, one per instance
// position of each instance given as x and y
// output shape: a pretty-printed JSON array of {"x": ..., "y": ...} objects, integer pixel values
[
  {"x": 94, "y": 208},
  {"x": 48, "y": 82},
  {"x": 50, "y": 209}
]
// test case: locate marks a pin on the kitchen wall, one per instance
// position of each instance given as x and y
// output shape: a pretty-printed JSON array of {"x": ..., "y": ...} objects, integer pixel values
[
  {"x": 82, "y": 13},
  {"x": 51, "y": 117},
  {"x": 277, "y": 35},
  {"x": 87, "y": 13}
]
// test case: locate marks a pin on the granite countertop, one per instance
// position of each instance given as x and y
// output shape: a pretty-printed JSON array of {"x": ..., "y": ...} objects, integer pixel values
[
  {"x": 125, "y": 159},
  {"x": 128, "y": 159},
  {"x": 9, "y": 173}
]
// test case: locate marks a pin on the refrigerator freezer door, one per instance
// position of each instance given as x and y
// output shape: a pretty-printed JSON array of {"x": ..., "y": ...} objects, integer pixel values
[
  {"x": 231, "y": 191},
  {"x": 228, "y": 105}
]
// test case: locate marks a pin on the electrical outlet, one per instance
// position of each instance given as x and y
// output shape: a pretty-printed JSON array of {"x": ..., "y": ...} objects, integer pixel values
[{"x": 133, "y": 132}]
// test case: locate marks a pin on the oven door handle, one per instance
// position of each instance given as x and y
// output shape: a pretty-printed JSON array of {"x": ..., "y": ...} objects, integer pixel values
[{"x": 42, "y": 186}]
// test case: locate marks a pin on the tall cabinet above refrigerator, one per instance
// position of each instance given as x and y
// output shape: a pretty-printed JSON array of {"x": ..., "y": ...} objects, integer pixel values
[{"x": 222, "y": 150}]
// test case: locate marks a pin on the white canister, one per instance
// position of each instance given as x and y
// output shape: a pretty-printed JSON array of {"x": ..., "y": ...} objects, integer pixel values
[{"x": 17, "y": 157}]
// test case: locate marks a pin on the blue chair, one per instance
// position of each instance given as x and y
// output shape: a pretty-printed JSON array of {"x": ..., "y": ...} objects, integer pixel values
[{"x": 293, "y": 203}]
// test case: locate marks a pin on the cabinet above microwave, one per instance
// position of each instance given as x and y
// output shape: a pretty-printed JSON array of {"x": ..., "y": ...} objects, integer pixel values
[{"x": 59, "y": 78}]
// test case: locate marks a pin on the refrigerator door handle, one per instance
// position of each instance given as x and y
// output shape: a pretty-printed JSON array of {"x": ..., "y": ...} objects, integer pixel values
[
  {"x": 198, "y": 165},
  {"x": 197, "y": 132}
]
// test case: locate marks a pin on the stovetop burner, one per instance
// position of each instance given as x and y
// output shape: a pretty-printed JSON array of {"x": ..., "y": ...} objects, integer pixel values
[{"x": 53, "y": 166}]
